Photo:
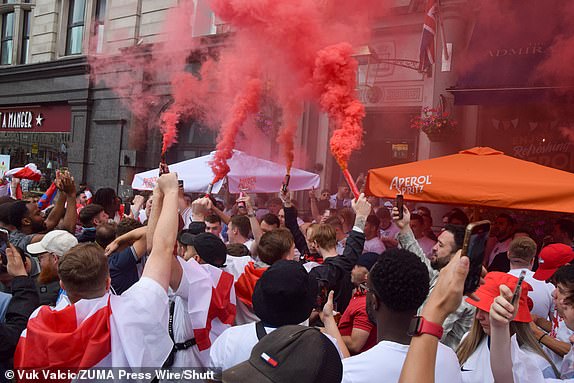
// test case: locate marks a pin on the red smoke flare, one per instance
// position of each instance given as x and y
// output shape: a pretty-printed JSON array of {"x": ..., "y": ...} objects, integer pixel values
[
  {"x": 351, "y": 183},
  {"x": 335, "y": 79},
  {"x": 169, "y": 122},
  {"x": 245, "y": 104},
  {"x": 286, "y": 137}
]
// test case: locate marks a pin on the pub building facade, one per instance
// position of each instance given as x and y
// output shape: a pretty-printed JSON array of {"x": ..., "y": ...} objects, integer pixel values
[{"x": 56, "y": 116}]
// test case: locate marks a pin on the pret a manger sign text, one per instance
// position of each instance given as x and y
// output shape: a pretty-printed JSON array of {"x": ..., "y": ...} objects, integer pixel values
[{"x": 19, "y": 120}]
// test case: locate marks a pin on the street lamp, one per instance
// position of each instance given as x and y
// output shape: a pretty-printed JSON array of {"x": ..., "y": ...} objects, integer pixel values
[{"x": 366, "y": 74}]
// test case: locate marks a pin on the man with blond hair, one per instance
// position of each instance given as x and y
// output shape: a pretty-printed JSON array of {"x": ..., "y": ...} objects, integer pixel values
[
  {"x": 521, "y": 254},
  {"x": 99, "y": 329}
]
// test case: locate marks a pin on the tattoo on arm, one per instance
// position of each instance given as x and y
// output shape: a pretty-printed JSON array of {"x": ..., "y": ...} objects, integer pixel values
[{"x": 360, "y": 222}]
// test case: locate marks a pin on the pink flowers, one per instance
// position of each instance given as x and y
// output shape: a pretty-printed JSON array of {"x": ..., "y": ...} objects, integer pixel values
[{"x": 434, "y": 121}]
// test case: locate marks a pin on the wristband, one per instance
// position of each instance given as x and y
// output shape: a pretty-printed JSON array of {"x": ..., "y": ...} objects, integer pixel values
[
  {"x": 420, "y": 325},
  {"x": 543, "y": 335}
]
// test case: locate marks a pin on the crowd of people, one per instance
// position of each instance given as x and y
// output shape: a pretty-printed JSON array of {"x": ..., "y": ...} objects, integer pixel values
[{"x": 253, "y": 290}]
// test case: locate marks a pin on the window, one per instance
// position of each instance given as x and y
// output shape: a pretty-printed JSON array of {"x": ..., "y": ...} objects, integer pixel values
[
  {"x": 25, "y": 49},
  {"x": 7, "y": 38},
  {"x": 75, "y": 29},
  {"x": 99, "y": 25}
]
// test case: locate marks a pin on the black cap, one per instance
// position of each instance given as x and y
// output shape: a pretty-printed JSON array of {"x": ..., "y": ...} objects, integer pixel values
[
  {"x": 367, "y": 260},
  {"x": 295, "y": 354},
  {"x": 285, "y": 294},
  {"x": 208, "y": 246},
  {"x": 197, "y": 227}
]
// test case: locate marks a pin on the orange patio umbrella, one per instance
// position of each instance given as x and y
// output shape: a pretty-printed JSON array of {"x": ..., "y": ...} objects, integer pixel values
[{"x": 477, "y": 176}]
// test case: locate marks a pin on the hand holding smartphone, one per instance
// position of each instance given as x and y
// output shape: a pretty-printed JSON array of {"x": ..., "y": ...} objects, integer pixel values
[
  {"x": 518, "y": 288},
  {"x": 474, "y": 246},
  {"x": 399, "y": 203}
]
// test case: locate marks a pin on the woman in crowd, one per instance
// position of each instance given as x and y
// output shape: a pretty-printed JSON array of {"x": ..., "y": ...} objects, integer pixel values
[{"x": 474, "y": 351}]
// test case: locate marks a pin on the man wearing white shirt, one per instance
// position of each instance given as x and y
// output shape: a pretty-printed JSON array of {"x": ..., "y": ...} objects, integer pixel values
[
  {"x": 418, "y": 228},
  {"x": 521, "y": 253},
  {"x": 398, "y": 284},
  {"x": 372, "y": 242},
  {"x": 284, "y": 295}
]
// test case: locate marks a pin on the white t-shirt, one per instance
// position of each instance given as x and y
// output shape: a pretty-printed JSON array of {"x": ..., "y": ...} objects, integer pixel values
[
  {"x": 541, "y": 293},
  {"x": 236, "y": 265},
  {"x": 373, "y": 245},
  {"x": 385, "y": 360},
  {"x": 138, "y": 324},
  {"x": 390, "y": 232},
  {"x": 477, "y": 367},
  {"x": 426, "y": 244}
]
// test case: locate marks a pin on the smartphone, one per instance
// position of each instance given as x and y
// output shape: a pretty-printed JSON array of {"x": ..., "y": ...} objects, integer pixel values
[
  {"x": 474, "y": 246},
  {"x": 241, "y": 204},
  {"x": 322, "y": 294},
  {"x": 399, "y": 203},
  {"x": 3, "y": 246},
  {"x": 516, "y": 294}
]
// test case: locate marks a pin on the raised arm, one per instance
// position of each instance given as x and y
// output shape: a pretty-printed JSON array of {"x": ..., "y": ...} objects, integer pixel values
[
  {"x": 158, "y": 266},
  {"x": 420, "y": 363},
  {"x": 127, "y": 239},
  {"x": 255, "y": 226},
  {"x": 156, "y": 208},
  {"x": 407, "y": 239},
  {"x": 314, "y": 208},
  {"x": 356, "y": 239},
  {"x": 291, "y": 223},
  {"x": 24, "y": 301},
  {"x": 224, "y": 217},
  {"x": 501, "y": 314}
]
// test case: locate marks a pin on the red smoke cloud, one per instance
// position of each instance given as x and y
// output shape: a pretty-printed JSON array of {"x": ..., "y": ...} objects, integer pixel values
[
  {"x": 335, "y": 77},
  {"x": 284, "y": 52},
  {"x": 245, "y": 104}
]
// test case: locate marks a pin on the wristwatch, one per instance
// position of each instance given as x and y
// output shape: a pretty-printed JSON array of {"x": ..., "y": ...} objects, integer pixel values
[{"x": 420, "y": 325}]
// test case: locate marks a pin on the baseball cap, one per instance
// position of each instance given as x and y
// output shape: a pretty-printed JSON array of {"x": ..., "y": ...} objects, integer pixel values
[
  {"x": 367, "y": 260},
  {"x": 551, "y": 258},
  {"x": 491, "y": 289},
  {"x": 56, "y": 241},
  {"x": 208, "y": 246},
  {"x": 285, "y": 294},
  {"x": 295, "y": 354}
]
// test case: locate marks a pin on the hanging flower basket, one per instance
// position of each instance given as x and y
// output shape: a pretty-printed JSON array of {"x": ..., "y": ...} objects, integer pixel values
[{"x": 437, "y": 124}]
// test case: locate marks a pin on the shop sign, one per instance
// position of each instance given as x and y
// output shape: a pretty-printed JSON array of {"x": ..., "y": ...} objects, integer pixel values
[{"x": 36, "y": 119}]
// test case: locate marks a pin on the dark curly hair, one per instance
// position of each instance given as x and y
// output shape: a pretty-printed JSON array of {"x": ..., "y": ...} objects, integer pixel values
[{"x": 400, "y": 280}]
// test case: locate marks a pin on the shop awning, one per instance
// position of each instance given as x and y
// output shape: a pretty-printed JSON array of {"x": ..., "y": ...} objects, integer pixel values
[{"x": 509, "y": 42}]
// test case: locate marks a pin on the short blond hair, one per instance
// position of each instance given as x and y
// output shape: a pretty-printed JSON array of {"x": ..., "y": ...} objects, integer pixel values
[
  {"x": 325, "y": 236},
  {"x": 522, "y": 248},
  {"x": 84, "y": 270}
]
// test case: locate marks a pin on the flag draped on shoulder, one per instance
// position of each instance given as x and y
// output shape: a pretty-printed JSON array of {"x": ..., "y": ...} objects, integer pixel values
[
  {"x": 211, "y": 303},
  {"x": 246, "y": 283},
  {"x": 65, "y": 339},
  {"x": 427, "y": 49},
  {"x": 222, "y": 307}
]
